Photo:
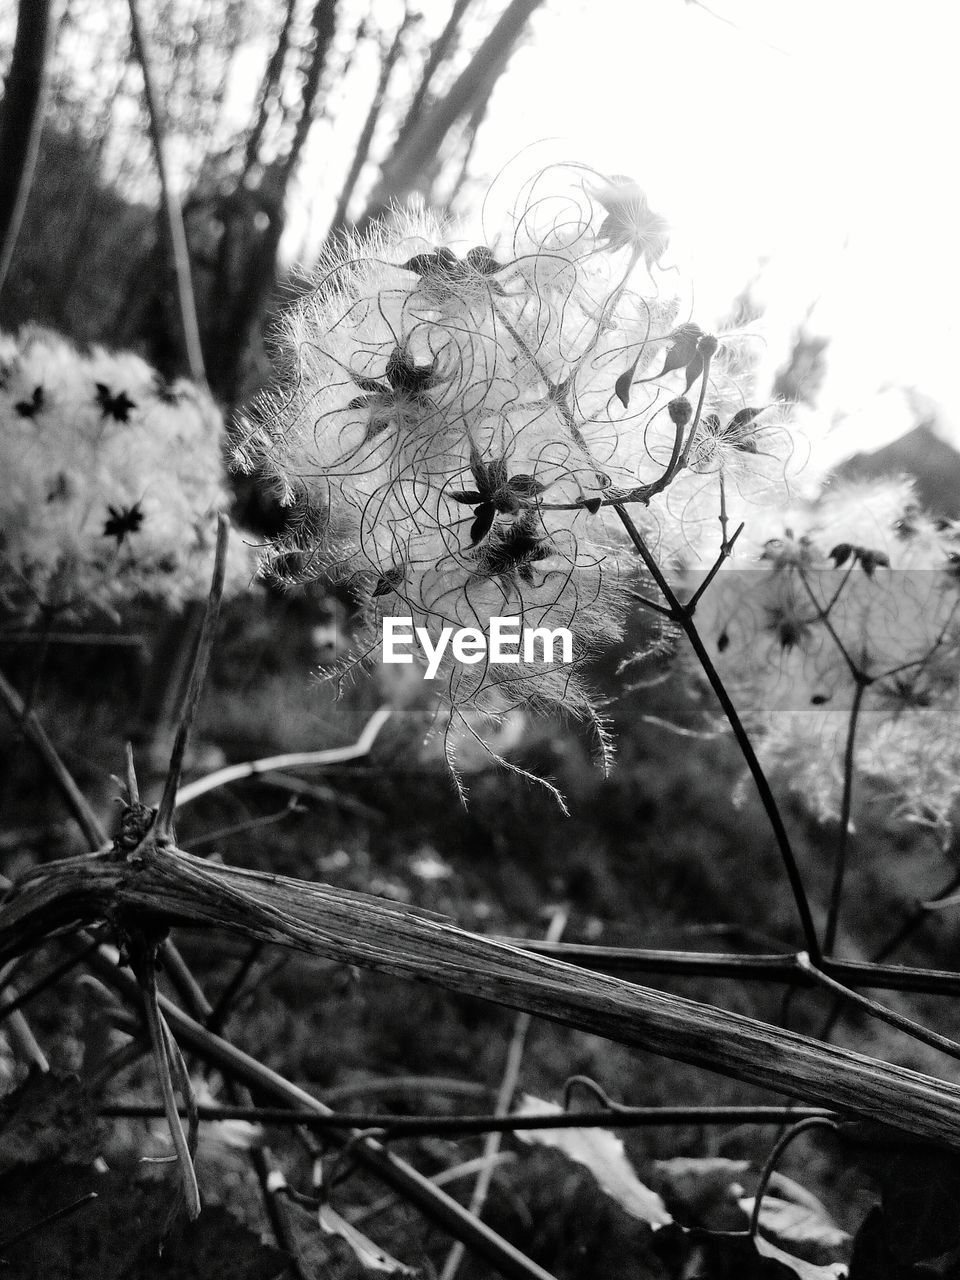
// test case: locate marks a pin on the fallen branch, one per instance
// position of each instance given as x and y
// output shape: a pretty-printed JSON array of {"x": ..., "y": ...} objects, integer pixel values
[{"x": 362, "y": 930}]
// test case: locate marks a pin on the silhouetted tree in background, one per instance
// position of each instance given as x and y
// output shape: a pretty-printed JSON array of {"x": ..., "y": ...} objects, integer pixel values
[{"x": 252, "y": 97}]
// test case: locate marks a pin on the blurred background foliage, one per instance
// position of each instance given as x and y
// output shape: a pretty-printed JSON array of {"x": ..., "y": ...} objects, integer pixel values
[
  {"x": 376, "y": 102},
  {"x": 368, "y": 103}
]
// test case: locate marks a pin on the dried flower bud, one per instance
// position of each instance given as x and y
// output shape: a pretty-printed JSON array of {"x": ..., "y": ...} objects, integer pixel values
[{"x": 680, "y": 411}]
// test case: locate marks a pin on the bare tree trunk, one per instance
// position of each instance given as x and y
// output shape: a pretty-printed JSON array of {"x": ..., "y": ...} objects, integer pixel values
[
  {"x": 21, "y": 120},
  {"x": 269, "y": 87},
  {"x": 403, "y": 173},
  {"x": 260, "y": 270},
  {"x": 177, "y": 237},
  {"x": 362, "y": 151},
  {"x": 442, "y": 47}
]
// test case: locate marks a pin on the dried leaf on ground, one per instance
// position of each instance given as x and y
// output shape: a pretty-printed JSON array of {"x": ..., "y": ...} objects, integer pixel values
[
  {"x": 326, "y": 1244},
  {"x": 603, "y": 1154}
]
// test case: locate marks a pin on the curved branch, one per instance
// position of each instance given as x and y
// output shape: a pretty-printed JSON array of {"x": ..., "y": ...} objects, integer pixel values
[{"x": 292, "y": 760}]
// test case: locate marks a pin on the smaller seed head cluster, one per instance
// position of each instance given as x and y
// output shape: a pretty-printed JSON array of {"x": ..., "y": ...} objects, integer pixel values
[
  {"x": 112, "y": 480},
  {"x": 849, "y": 614}
]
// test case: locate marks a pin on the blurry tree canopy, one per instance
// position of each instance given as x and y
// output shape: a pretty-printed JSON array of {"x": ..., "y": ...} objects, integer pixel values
[{"x": 328, "y": 110}]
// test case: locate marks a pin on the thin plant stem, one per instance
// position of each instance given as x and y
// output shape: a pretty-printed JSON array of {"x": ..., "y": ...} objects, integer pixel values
[
  {"x": 179, "y": 1067},
  {"x": 913, "y": 1029},
  {"x": 823, "y": 615},
  {"x": 704, "y": 382},
  {"x": 185, "y": 984},
  {"x": 766, "y": 1173},
  {"x": 750, "y": 967},
  {"x": 686, "y": 622},
  {"x": 846, "y": 804},
  {"x": 119, "y": 1060},
  {"x": 916, "y": 919},
  {"x": 49, "y": 1220},
  {"x": 80, "y": 808},
  {"x": 130, "y": 775},
  {"x": 22, "y": 120},
  {"x": 418, "y": 1190},
  {"x": 221, "y": 1010},
  {"x": 250, "y": 824},
  {"x": 726, "y": 549},
  {"x": 158, "y": 1039},
  {"x": 103, "y": 640},
  {"x": 38, "y": 664},
  {"x": 19, "y": 1031},
  {"x": 651, "y": 604},
  {"x": 913, "y": 922},
  {"x": 389, "y": 1127},
  {"x": 292, "y": 760},
  {"x": 163, "y": 824},
  {"x": 359, "y": 1217},
  {"x": 48, "y": 980},
  {"x": 508, "y": 1087}
]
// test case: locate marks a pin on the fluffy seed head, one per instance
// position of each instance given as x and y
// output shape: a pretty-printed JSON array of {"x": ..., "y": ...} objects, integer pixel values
[{"x": 112, "y": 479}]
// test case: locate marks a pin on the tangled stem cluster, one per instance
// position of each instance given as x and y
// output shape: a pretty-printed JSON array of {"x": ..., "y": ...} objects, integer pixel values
[{"x": 112, "y": 478}]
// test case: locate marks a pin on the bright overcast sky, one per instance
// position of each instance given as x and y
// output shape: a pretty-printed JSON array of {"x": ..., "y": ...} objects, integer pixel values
[{"x": 814, "y": 138}]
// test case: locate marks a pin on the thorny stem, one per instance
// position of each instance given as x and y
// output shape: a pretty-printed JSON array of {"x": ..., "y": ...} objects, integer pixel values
[
  {"x": 163, "y": 824},
  {"x": 843, "y": 844},
  {"x": 686, "y": 623}
]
